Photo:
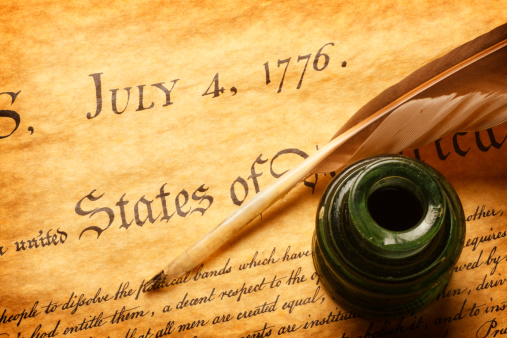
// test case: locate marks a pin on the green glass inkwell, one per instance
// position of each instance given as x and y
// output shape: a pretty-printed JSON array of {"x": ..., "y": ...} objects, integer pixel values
[{"x": 389, "y": 230}]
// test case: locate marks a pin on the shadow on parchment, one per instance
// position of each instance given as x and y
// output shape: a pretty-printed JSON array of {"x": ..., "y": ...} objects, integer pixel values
[{"x": 437, "y": 320}]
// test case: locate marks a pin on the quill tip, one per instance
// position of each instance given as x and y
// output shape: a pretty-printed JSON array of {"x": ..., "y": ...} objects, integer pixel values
[{"x": 158, "y": 278}]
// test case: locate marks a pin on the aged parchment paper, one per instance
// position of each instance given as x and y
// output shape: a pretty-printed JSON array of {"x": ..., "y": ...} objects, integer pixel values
[{"x": 102, "y": 186}]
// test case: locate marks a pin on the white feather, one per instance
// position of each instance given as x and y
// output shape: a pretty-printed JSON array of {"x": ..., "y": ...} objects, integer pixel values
[
  {"x": 406, "y": 124},
  {"x": 421, "y": 121}
]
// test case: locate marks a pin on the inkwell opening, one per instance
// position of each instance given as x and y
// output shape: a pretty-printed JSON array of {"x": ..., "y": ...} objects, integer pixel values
[{"x": 395, "y": 208}]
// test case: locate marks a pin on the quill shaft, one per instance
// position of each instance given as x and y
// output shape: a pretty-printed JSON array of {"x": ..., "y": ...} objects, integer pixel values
[
  {"x": 223, "y": 232},
  {"x": 204, "y": 247}
]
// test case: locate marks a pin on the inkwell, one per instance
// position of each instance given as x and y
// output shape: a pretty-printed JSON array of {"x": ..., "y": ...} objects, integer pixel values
[{"x": 389, "y": 230}]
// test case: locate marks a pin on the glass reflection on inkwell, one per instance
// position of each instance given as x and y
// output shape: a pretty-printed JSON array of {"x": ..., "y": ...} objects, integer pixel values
[{"x": 389, "y": 231}]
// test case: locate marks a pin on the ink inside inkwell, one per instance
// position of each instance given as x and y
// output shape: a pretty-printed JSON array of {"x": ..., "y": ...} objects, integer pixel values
[
  {"x": 395, "y": 209},
  {"x": 389, "y": 230}
]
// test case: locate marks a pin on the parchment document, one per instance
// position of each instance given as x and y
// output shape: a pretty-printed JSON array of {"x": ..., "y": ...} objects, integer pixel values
[{"x": 129, "y": 129}]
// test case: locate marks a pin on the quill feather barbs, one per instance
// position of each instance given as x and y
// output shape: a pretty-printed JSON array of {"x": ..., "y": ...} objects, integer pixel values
[
  {"x": 422, "y": 121},
  {"x": 465, "y": 89},
  {"x": 469, "y": 95}
]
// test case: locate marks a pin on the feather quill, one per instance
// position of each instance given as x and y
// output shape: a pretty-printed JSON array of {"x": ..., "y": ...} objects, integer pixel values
[{"x": 465, "y": 90}]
